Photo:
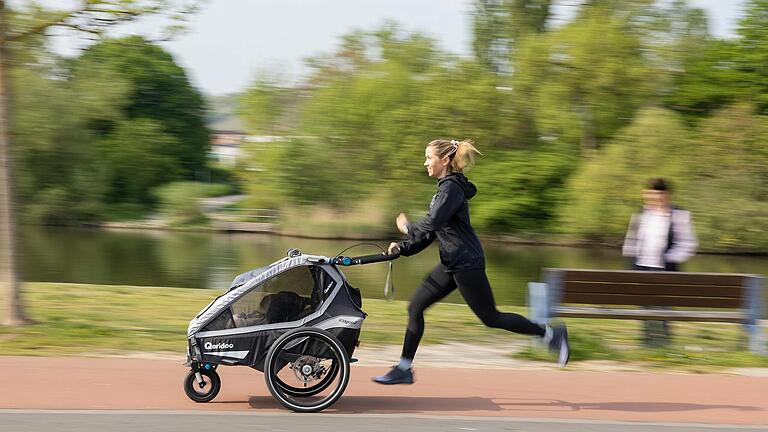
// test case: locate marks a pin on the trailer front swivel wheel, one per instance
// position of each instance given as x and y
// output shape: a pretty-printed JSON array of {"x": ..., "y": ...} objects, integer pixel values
[{"x": 206, "y": 391}]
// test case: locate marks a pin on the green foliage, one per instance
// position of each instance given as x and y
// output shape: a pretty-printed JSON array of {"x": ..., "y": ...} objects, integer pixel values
[
  {"x": 179, "y": 201},
  {"x": 57, "y": 168},
  {"x": 225, "y": 176},
  {"x": 262, "y": 105},
  {"x": 520, "y": 191},
  {"x": 376, "y": 104},
  {"x": 718, "y": 172},
  {"x": 727, "y": 180},
  {"x": 95, "y": 134},
  {"x": 137, "y": 151},
  {"x": 709, "y": 78},
  {"x": 568, "y": 118},
  {"x": 499, "y": 25},
  {"x": 605, "y": 191},
  {"x": 261, "y": 173},
  {"x": 714, "y": 73},
  {"x": 575, "y": 105},
  {"x": 159, "y": 91},
  {"x": 367, "y": 122},
  {"x": 753, "y": 54},
  {"x": 574, "y": 80}
]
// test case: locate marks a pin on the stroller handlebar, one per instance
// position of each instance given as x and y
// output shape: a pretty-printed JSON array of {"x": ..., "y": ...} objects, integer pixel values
[{"x": 364, "y": 259}]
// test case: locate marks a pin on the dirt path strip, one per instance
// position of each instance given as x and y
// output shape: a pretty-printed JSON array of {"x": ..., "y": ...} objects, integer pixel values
[{"x": 129, "y": 384}]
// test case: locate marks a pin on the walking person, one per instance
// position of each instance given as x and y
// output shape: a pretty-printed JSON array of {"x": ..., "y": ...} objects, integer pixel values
[
  {"x": 462, "y": 261},
  {"x": 659, "y": 238}
]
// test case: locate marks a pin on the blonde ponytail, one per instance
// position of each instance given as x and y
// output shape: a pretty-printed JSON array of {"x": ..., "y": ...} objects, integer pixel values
[{"x": 462, "y": 153}]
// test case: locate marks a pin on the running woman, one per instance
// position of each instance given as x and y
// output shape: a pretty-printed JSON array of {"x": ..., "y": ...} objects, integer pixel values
[{"x": 462, "y": 262}]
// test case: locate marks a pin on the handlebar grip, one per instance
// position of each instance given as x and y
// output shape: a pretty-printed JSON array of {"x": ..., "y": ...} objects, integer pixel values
[{"x": 366, "y": 259}]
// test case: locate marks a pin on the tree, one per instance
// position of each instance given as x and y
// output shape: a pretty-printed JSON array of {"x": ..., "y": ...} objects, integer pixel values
[
  {"x": 583, "y": 81},
  {"x": 92, "y": 17},
  {"x": 500, "y": 25},
  {"x": 709, "y": 78},
  {"x": 262, "y": 106},
  {"x": 753, "y": 53},
  {"x": 368, "y": 97},
  {"x": 715, "y": 73},
  {"x": 141, "y": 157},
  {"x": 522, "y": 189},
  {"x": 159, "y": 90},
  {"x": 719, "y": 171},
  {"x": 727, "y": 180},
  {"x": 56, "y": 163},
  {"x": 372, "y": 105},
  {"x": 605, "y": 190}
]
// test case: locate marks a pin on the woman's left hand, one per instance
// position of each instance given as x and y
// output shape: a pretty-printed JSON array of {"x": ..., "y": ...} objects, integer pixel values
[{"x": 402, "y": 223}]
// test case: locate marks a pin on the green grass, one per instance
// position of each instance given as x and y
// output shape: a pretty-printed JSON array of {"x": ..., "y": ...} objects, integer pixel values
[
  {"x": 75, "y": 319},
  {"x": 696, "y": 347}
]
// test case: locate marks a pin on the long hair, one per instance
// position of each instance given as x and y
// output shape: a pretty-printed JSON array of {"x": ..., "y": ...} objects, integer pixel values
[{"x": 461, "y": 153}]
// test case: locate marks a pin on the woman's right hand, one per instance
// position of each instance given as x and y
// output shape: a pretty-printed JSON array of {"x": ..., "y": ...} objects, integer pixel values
[
  {"x": 393, "y": 248},
  {"x": 402, "y": 223}
]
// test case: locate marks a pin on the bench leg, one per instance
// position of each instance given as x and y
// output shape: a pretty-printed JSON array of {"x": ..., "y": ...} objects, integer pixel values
[
  {"x": 538, "y": 307},
  {"x": 538, "y": 303},
  {"x": 756, "y": 336}
]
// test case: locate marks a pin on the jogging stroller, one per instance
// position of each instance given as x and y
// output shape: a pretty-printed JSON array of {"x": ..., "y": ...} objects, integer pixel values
[{"x": 296, "y": 320}]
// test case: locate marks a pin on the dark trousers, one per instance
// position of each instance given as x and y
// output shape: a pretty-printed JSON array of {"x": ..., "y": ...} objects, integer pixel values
[
  {"x": 474, "y": 287},
  {"x": 656, "y": 333}
]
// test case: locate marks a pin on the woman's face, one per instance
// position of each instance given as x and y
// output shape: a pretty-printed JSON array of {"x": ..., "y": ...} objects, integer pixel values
[{"x": 436, "y": 167}]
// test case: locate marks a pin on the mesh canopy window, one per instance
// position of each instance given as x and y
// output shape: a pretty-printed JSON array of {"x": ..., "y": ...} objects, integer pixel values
[{"x": 285, "y": 297}]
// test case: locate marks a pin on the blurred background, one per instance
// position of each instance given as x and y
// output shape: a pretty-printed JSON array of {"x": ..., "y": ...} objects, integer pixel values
[{"x": 188, "y": 122}]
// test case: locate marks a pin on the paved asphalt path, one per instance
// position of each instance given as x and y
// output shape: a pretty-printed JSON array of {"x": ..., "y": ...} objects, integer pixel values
[
  {"x": 116, "y": 394},
  {"x": 127, "y": 421}
]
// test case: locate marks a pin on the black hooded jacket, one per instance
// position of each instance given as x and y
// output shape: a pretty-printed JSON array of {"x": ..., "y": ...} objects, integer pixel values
[{"x": 448, "y": 221}]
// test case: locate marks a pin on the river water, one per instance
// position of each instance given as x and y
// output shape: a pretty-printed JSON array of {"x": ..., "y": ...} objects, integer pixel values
[{"x": 211, "y": 260}]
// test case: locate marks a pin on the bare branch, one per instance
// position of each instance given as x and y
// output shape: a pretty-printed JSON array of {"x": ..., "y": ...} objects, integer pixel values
[
  {"x": 92, "y": 16},
  {"x": 97, "y": 32},
  {"x": 39, "y": 28}
]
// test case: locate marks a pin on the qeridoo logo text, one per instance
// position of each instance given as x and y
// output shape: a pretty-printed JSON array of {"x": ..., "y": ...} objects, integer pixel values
[{"x": 222, "y": 345}]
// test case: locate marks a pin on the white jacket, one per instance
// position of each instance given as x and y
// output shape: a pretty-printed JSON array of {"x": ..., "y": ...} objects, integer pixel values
[{"x": 680, "y": 247}]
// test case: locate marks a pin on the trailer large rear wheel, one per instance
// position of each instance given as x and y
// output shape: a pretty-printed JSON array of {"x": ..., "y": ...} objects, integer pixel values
[{"x": 307, "y": 369}]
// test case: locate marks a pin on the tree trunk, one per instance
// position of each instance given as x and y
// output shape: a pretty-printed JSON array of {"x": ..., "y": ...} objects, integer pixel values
[{"x": 12, "y": 311}]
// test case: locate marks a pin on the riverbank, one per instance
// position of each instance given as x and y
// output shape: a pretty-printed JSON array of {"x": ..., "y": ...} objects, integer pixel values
[
  {"x": 78, "y": 319},
  {"x": 275, "y": 229}
]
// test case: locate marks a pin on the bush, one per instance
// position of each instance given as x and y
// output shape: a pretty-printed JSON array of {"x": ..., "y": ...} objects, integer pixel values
[
  {"x": 728, "y": 181},
  {"x": 718, "y": 173},
  {"x": 179, "y": 201},
  {"x": 606, "y": 190}
]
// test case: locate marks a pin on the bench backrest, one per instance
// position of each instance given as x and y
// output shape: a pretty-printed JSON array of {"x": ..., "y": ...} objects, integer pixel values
[{"x": 644, "y": 288}]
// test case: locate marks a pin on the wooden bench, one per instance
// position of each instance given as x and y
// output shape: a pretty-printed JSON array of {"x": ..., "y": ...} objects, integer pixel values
[{"x": 617, "y": 294}]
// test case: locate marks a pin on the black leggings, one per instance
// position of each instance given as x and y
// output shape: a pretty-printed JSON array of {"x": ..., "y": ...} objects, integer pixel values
[{"x": 474, "y": 287}]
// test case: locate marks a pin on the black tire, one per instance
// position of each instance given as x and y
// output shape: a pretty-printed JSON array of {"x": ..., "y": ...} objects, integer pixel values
[
  {"x": 310, "y": 343},
  {"x": 212, "y": 385}
]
